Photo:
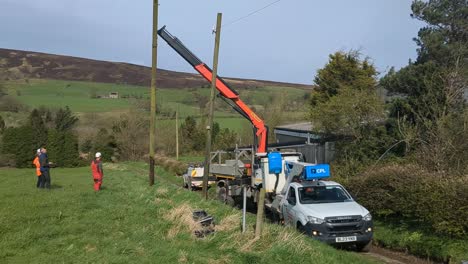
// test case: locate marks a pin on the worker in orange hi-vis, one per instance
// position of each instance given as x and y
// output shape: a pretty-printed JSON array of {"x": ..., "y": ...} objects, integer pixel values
[
  {"x": 40, "y": 178},
  {"x": 98, "y": 173}
]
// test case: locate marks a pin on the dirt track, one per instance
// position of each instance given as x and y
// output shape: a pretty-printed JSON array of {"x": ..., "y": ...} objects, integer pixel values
[{"x": 393, "y": 257}]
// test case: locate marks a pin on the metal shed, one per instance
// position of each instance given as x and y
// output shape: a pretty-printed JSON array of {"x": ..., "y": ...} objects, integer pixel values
[{"x": 316, "y": 147}]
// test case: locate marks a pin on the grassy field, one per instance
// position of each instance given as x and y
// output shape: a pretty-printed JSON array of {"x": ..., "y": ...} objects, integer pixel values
[
  {"x": 129, "y": 222},
  {"x": 78, "y": 96}
]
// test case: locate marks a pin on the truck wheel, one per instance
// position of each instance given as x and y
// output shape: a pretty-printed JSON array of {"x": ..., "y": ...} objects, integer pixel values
[
  {"x": 301, "y": 228},
  {"x": 363, "y": 247},
  {"x": 229, "y": 201},
  {"x": 275, "y": 218},
  {"x": 221, "y": 194}
]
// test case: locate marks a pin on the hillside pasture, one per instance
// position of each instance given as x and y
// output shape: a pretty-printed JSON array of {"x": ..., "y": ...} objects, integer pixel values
[
  {"x": 80, "y": 97},
  {"x": 130, "y": 222}
]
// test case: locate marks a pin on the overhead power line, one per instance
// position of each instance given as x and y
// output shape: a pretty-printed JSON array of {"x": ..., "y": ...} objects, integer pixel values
[{"x": 251, "y": 13}]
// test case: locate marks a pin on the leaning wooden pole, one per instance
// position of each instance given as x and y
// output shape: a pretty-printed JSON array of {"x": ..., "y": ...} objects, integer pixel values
[
  {"x": 260, "y": 212},
  {"x": 153, "y": 93},
  {"x": 177, "y": 133},
  {"x": 209, "y": 125}
]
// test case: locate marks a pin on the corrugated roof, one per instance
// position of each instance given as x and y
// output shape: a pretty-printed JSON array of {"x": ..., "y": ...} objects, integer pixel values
[{"x": 304, "y": 126}]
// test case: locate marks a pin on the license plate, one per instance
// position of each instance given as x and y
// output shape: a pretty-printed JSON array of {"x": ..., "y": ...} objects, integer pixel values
[{"x": 346, "y": 239}]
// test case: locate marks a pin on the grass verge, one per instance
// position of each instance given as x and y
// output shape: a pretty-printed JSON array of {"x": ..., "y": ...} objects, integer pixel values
[
  {"x": 415, "y": 242},
  {"x": 130, "y": 222}
]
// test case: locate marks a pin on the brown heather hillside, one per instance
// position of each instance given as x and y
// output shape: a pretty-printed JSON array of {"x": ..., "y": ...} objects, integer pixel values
[{"x": 17, "y": 64}]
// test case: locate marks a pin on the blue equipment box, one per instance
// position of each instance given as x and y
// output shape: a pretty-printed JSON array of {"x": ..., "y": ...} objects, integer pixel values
[
  {"x": 314, "y": 172},
  {"x": 275, "y": 163}
]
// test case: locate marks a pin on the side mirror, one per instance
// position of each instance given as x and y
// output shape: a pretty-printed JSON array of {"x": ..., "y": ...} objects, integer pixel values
[{"x": 292, "y": 200}]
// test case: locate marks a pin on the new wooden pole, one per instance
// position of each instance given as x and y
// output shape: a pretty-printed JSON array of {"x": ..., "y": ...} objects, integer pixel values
[
  {"x": 210, "y": 113},
  {"x": 153, "y": 93}
]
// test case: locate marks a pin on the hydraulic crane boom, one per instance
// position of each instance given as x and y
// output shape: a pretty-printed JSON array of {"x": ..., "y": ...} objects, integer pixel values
[{"x": 225, "y": 91}]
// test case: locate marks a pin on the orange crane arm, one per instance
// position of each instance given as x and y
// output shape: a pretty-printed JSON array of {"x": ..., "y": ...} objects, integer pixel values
[{"x": 261, "y": 134}]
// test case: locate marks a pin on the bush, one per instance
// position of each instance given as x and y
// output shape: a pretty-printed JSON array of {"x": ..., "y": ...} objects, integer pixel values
[
  {"x": 7, "y": 160},
  {"x": 18, "y": 143},
  {"x": 130, "y": 133},
  {"x": 2, "y": 124},
  {"x": 105, "y": 144},
  {"x": 11, "y": 104},
  {"x": 171, "y": 165},
  {"x": 63, "y": 148},
  {"x": 435, "y": 201},
  {"x": 437, "y": 248},
  {"x": 192, "y": 135}
]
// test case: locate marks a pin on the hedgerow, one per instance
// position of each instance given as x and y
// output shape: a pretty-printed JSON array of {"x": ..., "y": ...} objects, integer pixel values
[{"x": 436, "y": 201}]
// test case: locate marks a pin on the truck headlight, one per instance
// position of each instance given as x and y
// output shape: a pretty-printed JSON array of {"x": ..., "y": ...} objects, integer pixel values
[
  {"x": 315, "y": 220},
  {"x": 368, "y": 217}
]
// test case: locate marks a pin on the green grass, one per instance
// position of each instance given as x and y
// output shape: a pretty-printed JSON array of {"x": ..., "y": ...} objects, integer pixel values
[
  {"x": 236, "y": 124},
  {"x": 421, "y": 244},
  {"x": 233, "y": 123},
  {"x": 130, "y": 222},
  {"x": 77, "y": 95},
  {"x": 264, "y": 95}
]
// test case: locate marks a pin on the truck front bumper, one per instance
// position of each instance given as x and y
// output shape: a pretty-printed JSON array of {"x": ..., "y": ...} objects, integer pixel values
[{"x": 344, "y": 233}]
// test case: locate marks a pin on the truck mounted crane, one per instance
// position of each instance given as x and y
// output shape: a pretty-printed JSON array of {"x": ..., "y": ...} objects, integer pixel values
[
  {"x": 298, "y": 193},
  {"x": 228, "y": 94}
]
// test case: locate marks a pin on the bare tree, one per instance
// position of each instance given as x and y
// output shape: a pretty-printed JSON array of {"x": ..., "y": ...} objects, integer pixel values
[{"x": 130, "y": 132}]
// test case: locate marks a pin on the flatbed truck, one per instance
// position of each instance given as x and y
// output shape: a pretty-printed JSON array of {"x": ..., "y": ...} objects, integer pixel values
[{"x": 296, "y": 192}]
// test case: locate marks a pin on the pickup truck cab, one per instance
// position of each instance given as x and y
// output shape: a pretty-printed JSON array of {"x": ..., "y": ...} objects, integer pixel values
[{"x": 325, "y": 211}]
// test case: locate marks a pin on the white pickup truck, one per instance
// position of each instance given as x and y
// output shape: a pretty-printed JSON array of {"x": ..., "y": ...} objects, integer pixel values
[{"x": 321, "y": 209}]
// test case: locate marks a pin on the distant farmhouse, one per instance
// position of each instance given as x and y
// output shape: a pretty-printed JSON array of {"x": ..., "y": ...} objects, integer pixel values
[
  {"x": 114, "y": 95},
  {"x": 111, "y": 95}
]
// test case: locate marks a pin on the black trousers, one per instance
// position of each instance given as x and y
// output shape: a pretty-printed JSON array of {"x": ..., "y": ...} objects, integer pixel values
[
  {"x": 46, "y": 175},
  {"x": 40, "y": 181}
]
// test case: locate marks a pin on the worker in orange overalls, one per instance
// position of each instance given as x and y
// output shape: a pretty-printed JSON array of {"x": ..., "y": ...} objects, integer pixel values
[
  {"x": 98, "y": 173},
  {"x": 40, "y": 178}
]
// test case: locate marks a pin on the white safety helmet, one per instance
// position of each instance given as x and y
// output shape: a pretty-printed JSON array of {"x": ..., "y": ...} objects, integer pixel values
[
  {"x": 38, "y": 150},
  {"x": 98, "y": 154}
]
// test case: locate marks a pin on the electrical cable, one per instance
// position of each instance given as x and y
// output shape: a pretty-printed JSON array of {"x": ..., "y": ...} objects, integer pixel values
[{"x": 250, "y": 14}]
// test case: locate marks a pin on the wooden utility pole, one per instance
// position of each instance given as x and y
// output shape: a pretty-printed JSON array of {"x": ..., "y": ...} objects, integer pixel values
[
  {"x": 153, "y": 92},
  {"x": 177, "y": 133},
  {"x": 260, "y": 210},
  {"x": 209, "y": 126}
]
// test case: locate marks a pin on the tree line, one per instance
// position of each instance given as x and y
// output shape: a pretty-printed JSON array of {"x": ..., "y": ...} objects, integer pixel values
[
  {"x": 44, "y": 128},
  {"x": 125, "y": 139},
  {"x": 407, "y": 149}
]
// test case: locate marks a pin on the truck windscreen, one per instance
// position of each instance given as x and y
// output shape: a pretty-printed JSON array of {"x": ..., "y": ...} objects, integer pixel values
[{"x": 323, "y": 194}]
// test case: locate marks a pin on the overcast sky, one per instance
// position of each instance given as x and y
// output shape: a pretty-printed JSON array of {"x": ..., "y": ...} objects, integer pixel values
[{"x": 288, "y": 41}]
